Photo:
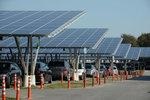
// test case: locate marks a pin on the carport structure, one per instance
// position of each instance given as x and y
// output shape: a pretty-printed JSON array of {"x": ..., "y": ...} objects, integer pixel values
[
  {"x": 145, "y": 56},
  {"x": 107, "y": 47},
  {"x": 145, "y": 52},
  {"x": 32, "y": 25},
  {"x": 72, "y": 40},
  {"x": 121, "y": 55},
  {"x": 130, "y": 54}
]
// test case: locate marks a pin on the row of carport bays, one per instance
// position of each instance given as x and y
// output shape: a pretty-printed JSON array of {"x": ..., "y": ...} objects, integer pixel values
[
  {"x": 108, "y": 48},
  {"x": 72, "y": 44}
]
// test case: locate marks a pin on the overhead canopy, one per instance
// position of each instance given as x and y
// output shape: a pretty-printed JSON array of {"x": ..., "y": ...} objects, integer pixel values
[
  {"x": 145, "y": 52},
  {"x": 35, "y": 23},
  {"x": 122, "y": 51},
  {"x": 75, "y": 38},
  {"x": 108, "y": 46},
  {"x": 134, "y": 53},
  {"x": 70, "y": 38}
]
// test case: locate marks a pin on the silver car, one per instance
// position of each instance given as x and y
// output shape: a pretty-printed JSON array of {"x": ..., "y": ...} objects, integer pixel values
[
  {"x": 103, "y": 69},
  {"x": 90, "y": 69}
]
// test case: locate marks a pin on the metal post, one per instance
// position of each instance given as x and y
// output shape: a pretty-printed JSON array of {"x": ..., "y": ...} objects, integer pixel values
[
  {"x": 20, "y": 53},
  {"x": 31, "y": 54},
  {"x": 93, "y": 79},
  {"x": 112, "y": 64},
  {"x": 84, "y": 80},
  {"x": 68, "y": 80}
]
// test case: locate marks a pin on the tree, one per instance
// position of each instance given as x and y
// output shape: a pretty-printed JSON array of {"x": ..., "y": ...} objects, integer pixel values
[
  {"x": 144, "y": 40},
  {"x": 129, "y": 39}
]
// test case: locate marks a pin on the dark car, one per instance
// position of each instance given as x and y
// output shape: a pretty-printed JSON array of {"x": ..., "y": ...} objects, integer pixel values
[
  {"x": 42, "y": 68},
  {"x": 130, "y": 69},
  {"x": 10, "y": 69},
  {"x": 58, "y": 67}
]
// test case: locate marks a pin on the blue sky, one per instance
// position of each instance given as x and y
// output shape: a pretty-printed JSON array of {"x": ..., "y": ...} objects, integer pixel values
[{"x": 119, "y": 16}]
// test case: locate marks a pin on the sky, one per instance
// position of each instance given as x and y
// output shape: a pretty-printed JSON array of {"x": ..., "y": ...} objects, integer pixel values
[{"x": 119, "y": 16}]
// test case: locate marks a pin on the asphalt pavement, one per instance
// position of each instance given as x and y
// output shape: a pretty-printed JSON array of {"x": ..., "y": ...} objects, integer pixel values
[{"x": 133, "y": 89}]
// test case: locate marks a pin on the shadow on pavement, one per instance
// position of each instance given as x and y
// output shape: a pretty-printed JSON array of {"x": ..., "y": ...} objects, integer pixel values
[{"x": 141, "y": 78}]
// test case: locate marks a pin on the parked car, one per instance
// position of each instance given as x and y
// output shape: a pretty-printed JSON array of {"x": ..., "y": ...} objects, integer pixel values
[
  {"x": 9, "y": 69},
  {"x": 90, "y": 69},
  {"x": 130, "y": 69},
  {"x": 81, "y": 70},
  {"x": 103, "y": 69},
  {"x": 113, "y": 70},
  {"x": 42, "y": 68},
  {"x": 58, "y": 67}
]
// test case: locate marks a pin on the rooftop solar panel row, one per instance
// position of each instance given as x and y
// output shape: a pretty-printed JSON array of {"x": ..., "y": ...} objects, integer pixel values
[
  {"x": 134, "y": 53},
  {"x": 108, "y": 46},
  {"x": 35, "y": 23},
  {"x": 145, "y": 52},
  {"x": 84, "y": 37},
  {"x": 122, "y": 50}
]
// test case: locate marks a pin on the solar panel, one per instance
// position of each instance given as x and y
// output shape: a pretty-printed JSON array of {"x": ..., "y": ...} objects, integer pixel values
[
  {"x": 79, "y": 37},
  {"x": 76, "y": 37},
  {"x": 145, "y": 52},
  {"x": 10, "y": 42},
  {"x": 54, "y": 51},
  {"x": 108, "y": 46},
  {"x": 122, "y": 50},
  {"x": 134, "y": 53},
  {"x": 35, "y": 23}
]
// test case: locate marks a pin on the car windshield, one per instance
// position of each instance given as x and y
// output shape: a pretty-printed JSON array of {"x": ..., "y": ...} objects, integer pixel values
[
  {"x": 4, "y": 67},
  {"x": 43, "y": 65},
  {"x": 80, "y": 66},
  {"x": 88, "y": 66},
  {"x": 102, "y": 67}
]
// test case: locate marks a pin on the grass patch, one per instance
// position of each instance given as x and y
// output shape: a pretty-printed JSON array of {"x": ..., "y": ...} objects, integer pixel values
[
  {"x": 74, "y": 84},
  {"x": 10, "y": 98}
]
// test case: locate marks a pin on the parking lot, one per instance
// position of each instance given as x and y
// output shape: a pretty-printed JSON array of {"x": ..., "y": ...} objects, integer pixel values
[
  {"x": 132, "y": 89},
  {"x": 40, "y": 58}
]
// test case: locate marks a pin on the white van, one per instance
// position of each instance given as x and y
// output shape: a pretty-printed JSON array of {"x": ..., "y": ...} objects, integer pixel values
[{"x": 81, "y": 70}]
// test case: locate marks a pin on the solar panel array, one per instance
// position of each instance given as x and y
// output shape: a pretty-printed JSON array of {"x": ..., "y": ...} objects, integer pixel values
[
  {"x": 50, "y": 23},
  {"x": 134, "y": 53},
  {"x": 122, "y": 50},
  {"x": 82, "y": 37},
  {"x": 35, "y": 23},
  {"x": 54, "y": 51},
  {"x": 145, "y": 52},
  {"x": 108, "y": 46},
  {"x": 10, "y": 42},
  {"x": 76, "y": 37}
]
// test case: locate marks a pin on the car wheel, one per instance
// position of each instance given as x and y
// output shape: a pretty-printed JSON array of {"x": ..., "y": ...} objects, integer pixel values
[{"x": 81, "y": 77}]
